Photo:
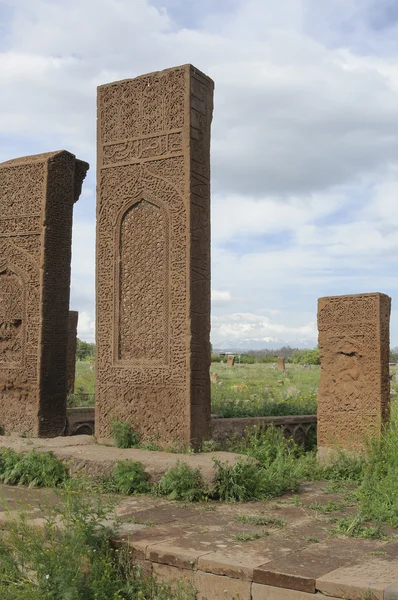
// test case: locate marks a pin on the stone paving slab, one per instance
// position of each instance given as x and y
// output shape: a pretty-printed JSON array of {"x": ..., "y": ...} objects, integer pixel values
[
  {"x": 378, "y": 576},
  {"x": 240, "y": 561},
  {"x": 300, "y": 570}
]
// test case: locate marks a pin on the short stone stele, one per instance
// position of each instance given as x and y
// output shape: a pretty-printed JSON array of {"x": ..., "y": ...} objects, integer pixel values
[
  {"x": 72, "y": 344},
  {"x": 153, "y": 255},
  {"x": 37, "y": 194},
  {"x": 281, "y": 363},
  {"x": 230, "y": 360},
  {"x": 354, "y": 391}
]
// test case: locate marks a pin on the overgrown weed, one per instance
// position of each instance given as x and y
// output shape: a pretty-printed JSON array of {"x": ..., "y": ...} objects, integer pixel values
[
  {"x": 71, "y": 558},
  {"x": 181, "y": 482}
]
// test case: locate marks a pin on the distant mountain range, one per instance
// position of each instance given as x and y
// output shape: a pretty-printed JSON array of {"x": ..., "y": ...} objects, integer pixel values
[{"x": 261, "y": 344}]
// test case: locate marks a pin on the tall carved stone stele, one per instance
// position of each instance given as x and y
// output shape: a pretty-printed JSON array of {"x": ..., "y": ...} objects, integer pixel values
[
  {"x": 354, "y": 391},
  {"x": 153, "y": 255},
  {"x": 37, "y": 194},
  {"x": 72, "y": 344}
]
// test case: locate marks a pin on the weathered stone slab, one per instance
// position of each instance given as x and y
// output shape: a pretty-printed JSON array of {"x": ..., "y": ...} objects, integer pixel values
[
  {"x": 281, "y": 363},
  {"x": 300, "y": 570},
  {"x": 72, "y": 344},
  {"x": 266, "y": 592},
  {"x": 240, "y": 561},
  {"x": 354, "y": 390},
  {"x": 374, "y": 577},
  {"x": 153, "y": 255},
  {"x": 37, "y": 194},
  {"x": 216, "y": 587},
  {"x": 167, "y": 574},
  {"x": 230, "y": 360}
]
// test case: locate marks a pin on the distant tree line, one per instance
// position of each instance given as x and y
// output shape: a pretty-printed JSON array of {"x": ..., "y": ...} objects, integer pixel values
[
  {"x": 293, "y": 355},
  {"x": 84, "y": 350}
]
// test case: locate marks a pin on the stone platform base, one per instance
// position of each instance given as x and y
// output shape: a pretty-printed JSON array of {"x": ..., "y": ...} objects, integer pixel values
[{"x": 225, "y": 555}]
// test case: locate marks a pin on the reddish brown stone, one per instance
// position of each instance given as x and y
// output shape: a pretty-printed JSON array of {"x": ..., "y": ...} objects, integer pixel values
[
  {"x": 281, "y": 363},
  {"x": 354, "y": 391},
  {"x": 230, "y": 360},
  {"x": 37, "y": 194},
  {"x": 216, "y": 587},
  {"x": 300, "y": 570},
  {"x": 153, "y": 255},
  {"x": 72, "y": 343}
]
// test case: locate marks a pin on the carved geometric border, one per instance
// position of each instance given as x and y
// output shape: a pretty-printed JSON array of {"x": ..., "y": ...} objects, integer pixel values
[
  {"x": 14, "y": 269},
  {"x": 139, "y": 363}
]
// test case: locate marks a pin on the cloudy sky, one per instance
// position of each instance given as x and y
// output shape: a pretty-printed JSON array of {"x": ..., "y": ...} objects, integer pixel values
[{"x": 304, "y": 138}]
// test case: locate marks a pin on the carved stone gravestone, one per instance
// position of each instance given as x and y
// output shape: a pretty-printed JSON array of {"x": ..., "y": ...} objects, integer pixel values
[
  {"x": 281, "y": 363},
  {"x": 72, "y": 344},
  {"x": 230, "y": 360},
  {"x": 37, "y": 194},
  {"x": 153, "y": 255},
  {"x": 354, "y": 390}
]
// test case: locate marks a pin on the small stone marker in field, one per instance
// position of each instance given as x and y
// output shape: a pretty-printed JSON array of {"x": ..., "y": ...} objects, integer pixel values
[
  {"x": 354, "y": 390},
  {"x": 281, "y": 363},
  {"x": 231, "y": 361},
  {"x": 214, "y": 377}
]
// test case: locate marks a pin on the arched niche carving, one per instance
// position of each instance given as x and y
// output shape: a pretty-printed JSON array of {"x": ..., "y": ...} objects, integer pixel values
[
  {"x": 12, "y": 316},
  {"x": 141, "y": 326}
]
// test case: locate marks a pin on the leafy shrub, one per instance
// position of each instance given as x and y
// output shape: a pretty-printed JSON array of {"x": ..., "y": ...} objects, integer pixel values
[
  {"x": 41, "y": 469},
  {"x": 216, "y": 358},
  {"x": 124, "y": 434},
  {"x": 306, "y": 357},
  {"x": 210, "y": 446},
  {"x": 129, "y": 477},
  {"x": 181, "y": 482},
  {"x": 242, "y": 481}
]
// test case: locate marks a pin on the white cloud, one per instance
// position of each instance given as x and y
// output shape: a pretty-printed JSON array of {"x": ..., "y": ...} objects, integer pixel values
[
  {"x": 220, "y": 297},
  {"x": 86, "y": 327},
  {"x": 248, "y": 326},
  {"x": 304, "y": 142}
]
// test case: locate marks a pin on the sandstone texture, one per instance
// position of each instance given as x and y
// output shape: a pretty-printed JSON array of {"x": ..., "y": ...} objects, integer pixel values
[
  {"x": 37, "y": 194},
  {"x": 153, "y": 255},
  {"x": 354, "y": 391}
]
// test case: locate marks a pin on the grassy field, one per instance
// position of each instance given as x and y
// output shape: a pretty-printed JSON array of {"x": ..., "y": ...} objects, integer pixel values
[
  {"x": 262, "y": 390},
  {"x": 243, "y": 390}
]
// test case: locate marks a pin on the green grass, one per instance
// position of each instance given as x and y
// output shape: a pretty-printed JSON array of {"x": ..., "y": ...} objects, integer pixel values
[
  {"x": 356, "y": 527},
  {"x": 265, "y": 521},
  {"x": 255, "y": 390},
  {"x": 85, "y": 376},
  {"x": 250, "y": 537},
  {"x": 331, "y": 506}
]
